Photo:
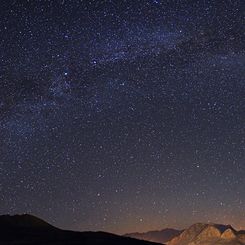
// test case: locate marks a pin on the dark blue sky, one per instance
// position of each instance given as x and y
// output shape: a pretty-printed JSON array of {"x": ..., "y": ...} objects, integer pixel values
[{"x": 123, "y": 115}]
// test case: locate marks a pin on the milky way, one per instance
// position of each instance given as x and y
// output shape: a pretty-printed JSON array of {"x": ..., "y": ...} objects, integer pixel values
[{"x": 123, "y": 115}]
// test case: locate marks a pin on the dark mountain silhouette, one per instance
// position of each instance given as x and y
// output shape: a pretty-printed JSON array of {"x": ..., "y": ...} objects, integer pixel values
[
  {"x": 29, "y": 230},
  {"x": 161, "y": 236},
  {"x": 23, "y": 221}
]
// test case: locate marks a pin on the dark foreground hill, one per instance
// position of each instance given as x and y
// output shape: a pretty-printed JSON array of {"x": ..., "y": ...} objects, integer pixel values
[{"x": 29, "y": 230}]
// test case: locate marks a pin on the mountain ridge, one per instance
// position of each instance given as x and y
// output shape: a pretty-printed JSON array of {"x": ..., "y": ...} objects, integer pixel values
[{"x": 27, "y": 229}]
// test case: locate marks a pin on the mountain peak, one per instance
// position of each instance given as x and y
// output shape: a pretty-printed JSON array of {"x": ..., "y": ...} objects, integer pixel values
[
  {"x": 223, "y": 228},
  {"x": 229, "y": 234},
  {"x": 209, "y": 232}
]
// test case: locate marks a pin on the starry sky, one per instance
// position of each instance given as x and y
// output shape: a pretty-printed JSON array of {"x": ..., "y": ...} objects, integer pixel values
[{"x": 123, "y": 115}]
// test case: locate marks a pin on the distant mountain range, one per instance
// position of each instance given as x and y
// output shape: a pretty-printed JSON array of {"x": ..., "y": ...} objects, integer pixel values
[
  {"x": 29, "y": 230},
  {"x": 161, "y": 236},
  {"x": 197, "y": 234}
]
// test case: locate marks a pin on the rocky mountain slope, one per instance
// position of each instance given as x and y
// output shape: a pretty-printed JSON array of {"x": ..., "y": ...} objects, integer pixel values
[{"x": 209, "y": 234}]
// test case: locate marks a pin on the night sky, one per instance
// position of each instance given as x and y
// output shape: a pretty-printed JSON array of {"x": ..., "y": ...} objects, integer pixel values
[{"x": 123, "y": 115}]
